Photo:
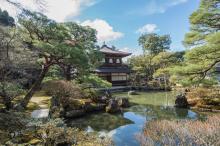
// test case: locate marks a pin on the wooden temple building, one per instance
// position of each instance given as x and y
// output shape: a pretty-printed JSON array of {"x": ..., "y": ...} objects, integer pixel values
[{"x": 113, "y": 70}]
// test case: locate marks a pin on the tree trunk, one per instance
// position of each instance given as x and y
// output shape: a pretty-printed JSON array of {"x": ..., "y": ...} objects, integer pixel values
[
  {"x": 68, "y": 72},
  {"x": 35, "y": 87}
]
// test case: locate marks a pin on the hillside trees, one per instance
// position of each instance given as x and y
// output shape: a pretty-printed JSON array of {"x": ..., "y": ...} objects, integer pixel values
[
  {"x": 55, "y": 44},
  {"x": 10, "y": 87},
  {"x": 153, "y": 46},
  {"x": 5, "y": 19}
]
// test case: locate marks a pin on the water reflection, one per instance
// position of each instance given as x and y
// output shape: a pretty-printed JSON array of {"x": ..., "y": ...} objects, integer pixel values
[
  {"x": 124, "y": 126},
  {"x": 100, "y": 122}
]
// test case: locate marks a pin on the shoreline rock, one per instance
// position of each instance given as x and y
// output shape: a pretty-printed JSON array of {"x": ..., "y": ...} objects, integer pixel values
[
  {"x": 112, "y": 106},
  {"x": 181, "y": 101}
]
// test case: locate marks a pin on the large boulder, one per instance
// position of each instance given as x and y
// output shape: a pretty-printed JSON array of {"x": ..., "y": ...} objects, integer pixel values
[
  {"x": 123, "y": 102},
  {"x": 94, "y": 107},
  {"x": 181, "y": 101},
  {"x": 112, "y": 106}
]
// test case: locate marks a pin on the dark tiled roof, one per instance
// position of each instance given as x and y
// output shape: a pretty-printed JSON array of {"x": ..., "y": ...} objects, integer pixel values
[
  {"x": 218, "y": 69},
  {"x": 113, "y": 70},
  {"x": 107, "y": 50}
]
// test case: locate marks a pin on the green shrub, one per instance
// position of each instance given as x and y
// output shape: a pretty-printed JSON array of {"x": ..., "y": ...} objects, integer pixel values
[
  {"x": 66, "y": 92},
  {"x": 62, "y": 88},
  {"x": 90, "y": 93},
  {"x": 95, "y": 81},
  {"x": 8, "y": 92}
]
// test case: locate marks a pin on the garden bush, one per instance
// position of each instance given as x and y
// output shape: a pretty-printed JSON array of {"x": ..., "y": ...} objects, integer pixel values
[
  {"x": 66, "y": 93},
  {"x": 8, "y": 92},
  {"x": 204, "y": 97},
  {"x": 62, "y": 88}
]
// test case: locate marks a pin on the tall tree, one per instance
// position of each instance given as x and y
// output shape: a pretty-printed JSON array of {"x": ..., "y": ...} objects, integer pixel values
[
  {"x": 55, "y": 44},
  {"x": 204, "y": 43},
  {"x": 5, "y": 19},
  {"x": 154, "y": 44}
]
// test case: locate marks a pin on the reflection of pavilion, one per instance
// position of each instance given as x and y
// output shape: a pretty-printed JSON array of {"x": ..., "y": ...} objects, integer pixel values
[
  {"x": 100, "y": 122},
  {"x": 162, "y": 112},
  {"x": 113, "y": 70}
]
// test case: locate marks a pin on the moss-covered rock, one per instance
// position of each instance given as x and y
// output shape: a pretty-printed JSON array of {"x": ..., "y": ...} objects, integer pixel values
[
  {"x": 123, "y": 102},
  {"x": 112, "y": 106}
]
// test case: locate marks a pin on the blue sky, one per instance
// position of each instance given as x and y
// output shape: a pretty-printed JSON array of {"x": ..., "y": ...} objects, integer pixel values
[
  {"x": 127, "y": 17},
  {"x": 121, "y": 22}
]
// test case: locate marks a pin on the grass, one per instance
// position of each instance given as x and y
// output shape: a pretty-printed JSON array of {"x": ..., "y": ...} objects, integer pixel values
[{"x": 182, "y": 132}]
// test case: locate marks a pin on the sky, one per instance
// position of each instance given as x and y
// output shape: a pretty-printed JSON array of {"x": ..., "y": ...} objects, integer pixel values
[{"x": 120, "y": 22}]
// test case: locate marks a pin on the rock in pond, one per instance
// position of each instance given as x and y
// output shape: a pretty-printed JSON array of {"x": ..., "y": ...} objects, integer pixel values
[
  {"x": 181, "y": 101},
  {"x": 94, "y": 107},
  {"x": 112, "y": 106},
  {"x": 42, "y": 113},
  {"x": 75, "y": 113},
  {"x": 132, "y": 93},
  {"x": 123, "y": 102}
]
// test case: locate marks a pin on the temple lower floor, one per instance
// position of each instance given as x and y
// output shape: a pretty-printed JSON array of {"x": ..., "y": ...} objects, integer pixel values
[{"x": 117, "y": 79}]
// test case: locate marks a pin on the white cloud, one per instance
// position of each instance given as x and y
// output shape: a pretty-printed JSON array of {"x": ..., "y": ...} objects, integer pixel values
[
  {"x": 58, "y": 10},
  {"x": 134, "y": 51},
  {"x": 105, "y": 31},
  {"x": 125, "y": 49},
  {"x": 148, "y": 28},
  {"x": 156, "y": 6}
]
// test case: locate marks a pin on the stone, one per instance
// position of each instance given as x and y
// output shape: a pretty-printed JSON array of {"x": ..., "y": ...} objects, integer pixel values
[
  {"x": 108, "y": 94},
  {"x": 181, "y": 101},
  {"x": 123, "y": 102},
  {"x": 104, "y": 99},
  {"x": 132, "y": 93},
  {"x": 42, "y": 113},
  {"x": 112, "y": 106}
]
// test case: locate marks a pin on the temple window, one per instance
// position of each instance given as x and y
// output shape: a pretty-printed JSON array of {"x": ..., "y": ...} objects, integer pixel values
[
  {"x": 118, "y": 60},
  {"x": 119, "y": 76},
  {"x": 110, "y": 60}
]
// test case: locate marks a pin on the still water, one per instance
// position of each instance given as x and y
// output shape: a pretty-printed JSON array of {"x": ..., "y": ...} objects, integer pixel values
[{"x": 124, "y": 127}]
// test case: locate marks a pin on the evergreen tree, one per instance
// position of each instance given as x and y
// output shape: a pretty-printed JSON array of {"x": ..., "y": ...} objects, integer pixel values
[
  {"x": 5, "y": 19},
  {"x": 61, "y": 44},
  {"x": 153, "y": 44},
  {"x": 204, "y": 43}
]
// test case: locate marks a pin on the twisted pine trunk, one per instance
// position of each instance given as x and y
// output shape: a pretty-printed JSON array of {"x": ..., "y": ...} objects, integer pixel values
[{"x": 35, "y": 87}]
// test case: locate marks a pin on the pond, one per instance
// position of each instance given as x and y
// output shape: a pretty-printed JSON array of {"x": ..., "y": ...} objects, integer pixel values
[{"x": 124, "y": 127}]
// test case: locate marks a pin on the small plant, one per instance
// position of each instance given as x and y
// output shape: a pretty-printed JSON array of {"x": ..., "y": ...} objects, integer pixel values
[{"x": 8, "y": 92}]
